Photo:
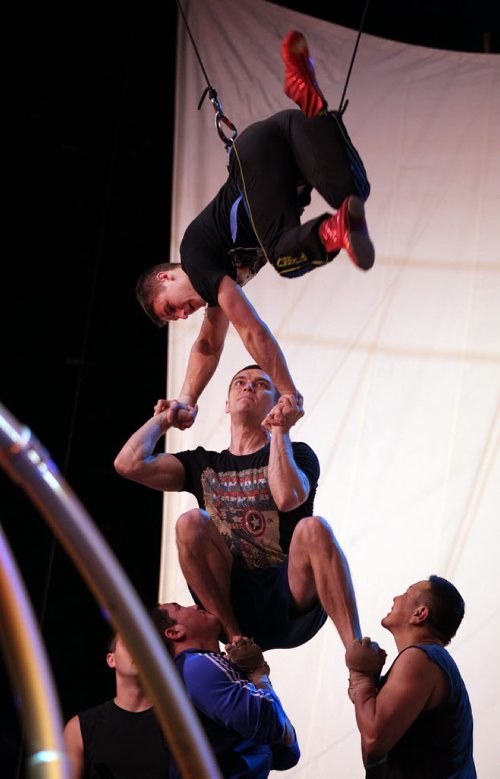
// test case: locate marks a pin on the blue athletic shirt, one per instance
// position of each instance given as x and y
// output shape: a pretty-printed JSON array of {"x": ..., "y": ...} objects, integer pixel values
[{"x": 244, "y": 724}]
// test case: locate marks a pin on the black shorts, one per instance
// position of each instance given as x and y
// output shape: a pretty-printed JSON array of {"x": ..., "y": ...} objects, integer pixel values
[
  {"x": 264, "y": 609},
  {"x": 268, "y": 161}
]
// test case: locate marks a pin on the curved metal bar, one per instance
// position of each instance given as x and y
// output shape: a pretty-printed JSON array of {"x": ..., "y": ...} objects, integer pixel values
[
  {"x": 28, "y": 463},
  {"x": 30, "y": 671}
]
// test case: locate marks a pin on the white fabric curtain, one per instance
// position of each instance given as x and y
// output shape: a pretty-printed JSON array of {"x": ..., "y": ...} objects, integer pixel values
[{"x": 399, "y": 367}]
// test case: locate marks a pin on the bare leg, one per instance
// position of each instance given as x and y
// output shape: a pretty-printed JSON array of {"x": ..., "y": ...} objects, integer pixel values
[
  {"x": 206, "y": 563},
  {"x": 317, "y": 567}
]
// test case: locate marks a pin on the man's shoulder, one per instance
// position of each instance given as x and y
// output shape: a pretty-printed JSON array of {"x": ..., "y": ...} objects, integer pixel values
[
  {"x": 303, "y": 447},
  {"x": 418, "y": 655},
  {"x": 306, "y": 454},
  {"x": 441, "y": 656},
  {"x": 100, "y": 709},
  {"x": 195, "y": 662}
]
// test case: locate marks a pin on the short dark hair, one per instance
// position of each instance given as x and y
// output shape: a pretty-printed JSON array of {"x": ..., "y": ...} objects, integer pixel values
[
  {"x": 162, "y": 620},
  {"x": 147, "y": 286},
  {"x": 255, "y": 367},
  {"x": 446, "y": 608},
  {"x": 112, "y": 643}
]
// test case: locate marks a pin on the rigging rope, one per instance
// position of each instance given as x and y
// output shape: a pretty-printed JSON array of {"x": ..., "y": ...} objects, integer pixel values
[
  {"x": 220, "y": 119},
  {"x": 344, "y": 103}
]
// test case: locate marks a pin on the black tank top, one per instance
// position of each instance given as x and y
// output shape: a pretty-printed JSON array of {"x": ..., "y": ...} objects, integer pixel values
[
  {"x": 438, "y": 744},
  {"x": 123, "y": 744}
]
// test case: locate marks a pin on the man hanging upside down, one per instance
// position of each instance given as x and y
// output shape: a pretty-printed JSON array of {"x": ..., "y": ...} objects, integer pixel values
[{"x": 256, "y": 218}]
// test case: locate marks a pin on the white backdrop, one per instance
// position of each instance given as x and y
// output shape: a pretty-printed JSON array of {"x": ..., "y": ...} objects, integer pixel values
[{"x": 399, "y": 367}]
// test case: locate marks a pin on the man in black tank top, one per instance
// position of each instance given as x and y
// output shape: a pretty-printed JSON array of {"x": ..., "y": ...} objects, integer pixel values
[
  {"x": 120, "y": 738},
  {"x": 416, "y": 721}
]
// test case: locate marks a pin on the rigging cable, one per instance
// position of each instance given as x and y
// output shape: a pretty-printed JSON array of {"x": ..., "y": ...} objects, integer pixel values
[
  {"x": 344, "y": 103},
  {"x": 220, "y": 118}
]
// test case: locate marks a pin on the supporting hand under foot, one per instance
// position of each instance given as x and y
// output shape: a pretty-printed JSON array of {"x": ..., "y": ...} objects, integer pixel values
[{"x": 247, "y": 655}]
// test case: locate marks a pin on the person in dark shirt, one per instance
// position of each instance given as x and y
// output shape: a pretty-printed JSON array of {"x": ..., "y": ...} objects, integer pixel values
[
  {"x": 416, "y": 721},
  {"x": 253, "y": 553},
  {"x": 243, "y": 718},
  {"x": 120, "y": 738},
  {"x": 256, "y": 218}
]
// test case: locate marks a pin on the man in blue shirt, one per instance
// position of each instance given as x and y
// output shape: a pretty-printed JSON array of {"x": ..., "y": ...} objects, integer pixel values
[{"x": 244, "y": 720}]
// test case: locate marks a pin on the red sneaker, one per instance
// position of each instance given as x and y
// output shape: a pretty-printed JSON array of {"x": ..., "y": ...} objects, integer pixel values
[
  {"x": 347, "y": 230},
  {"x": 300, "y": 80}
]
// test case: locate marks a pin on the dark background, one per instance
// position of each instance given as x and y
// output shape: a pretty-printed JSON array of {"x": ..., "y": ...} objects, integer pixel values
[{"x": 88, "y": 100}]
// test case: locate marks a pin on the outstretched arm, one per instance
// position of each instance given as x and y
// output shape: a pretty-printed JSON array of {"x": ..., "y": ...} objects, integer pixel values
[
  {"x": 288, "y": 484},
  {"x": 256, "y": 336},
  {"x": 137, "y": 461},
  {"x": 204, "y": 355}
]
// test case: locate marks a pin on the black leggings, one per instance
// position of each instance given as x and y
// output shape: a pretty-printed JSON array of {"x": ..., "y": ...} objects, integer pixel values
[{"x": 271, "y": 158}]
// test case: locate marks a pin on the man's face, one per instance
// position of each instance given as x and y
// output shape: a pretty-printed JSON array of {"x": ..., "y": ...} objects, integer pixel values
[
  {"x": 121, "y": 660},
  {"x": 175, "y": 299},
  {"x": 197, "y": 622},
  {"x": 404, "y": 605},
  {"x": 251, "y": 391}
]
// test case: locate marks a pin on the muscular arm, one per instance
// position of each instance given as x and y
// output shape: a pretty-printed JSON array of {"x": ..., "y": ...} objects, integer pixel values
[
  {"x": 261, "y": 680},
  {"x": 74, "y": 746},
  {"x": 247, "y": 655},
  {"x": 288, "y": 484},
  {"x": 415, "y": 683},
  {"x": 204, "y": 355},
  {"x": 137, "y": 462},
  {"x": 255, "y": 335},
  {"x": 252, "y": 711},
  {"x": 286, "y": 751}
]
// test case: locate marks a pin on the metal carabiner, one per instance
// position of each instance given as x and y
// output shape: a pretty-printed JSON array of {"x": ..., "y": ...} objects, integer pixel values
[{"x": 221, "y": 119}]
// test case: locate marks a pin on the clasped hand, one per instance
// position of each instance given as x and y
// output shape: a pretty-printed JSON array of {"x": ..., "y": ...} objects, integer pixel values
[
  {"x": 179, "y": 415},
  {"x": 287, "y": 411},
  {"x": 365, "y": 660},
  {"x": 247, "y": 655}
]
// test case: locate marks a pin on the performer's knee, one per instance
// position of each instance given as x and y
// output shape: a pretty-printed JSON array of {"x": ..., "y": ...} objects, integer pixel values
[
  {"x": 190, "y": 523},
  {"x": 312, "y": 530}
]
